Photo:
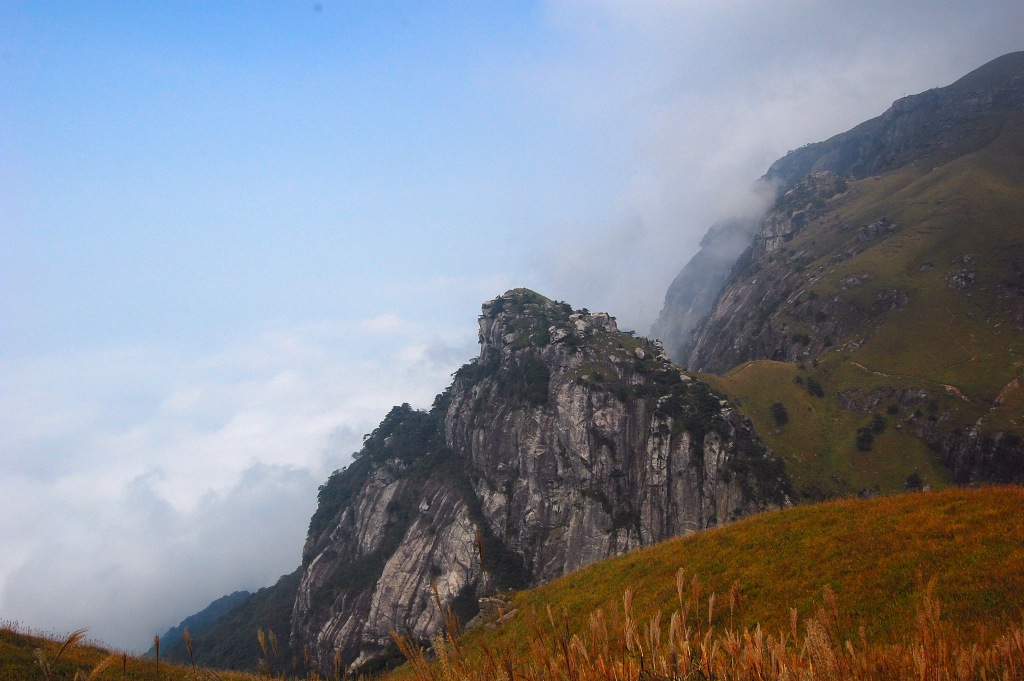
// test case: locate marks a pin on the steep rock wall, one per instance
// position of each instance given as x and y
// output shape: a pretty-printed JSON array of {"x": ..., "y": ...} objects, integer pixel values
[{"x": 620, "y": 450}]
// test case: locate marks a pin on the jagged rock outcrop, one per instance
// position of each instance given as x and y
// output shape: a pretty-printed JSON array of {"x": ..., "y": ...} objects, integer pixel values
[
  {"x": 615, "y": 449},
  {"x": 388, "y": 531},
  {"x": 794, "y": 210},
  {"x": 933, "y": 126},
  {"x": 566, "y": 441},
  {"x": 975, "y": 456}
]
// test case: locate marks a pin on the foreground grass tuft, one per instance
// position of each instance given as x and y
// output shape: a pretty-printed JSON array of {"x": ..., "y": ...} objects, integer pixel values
[{"x": 28, "y": 655}]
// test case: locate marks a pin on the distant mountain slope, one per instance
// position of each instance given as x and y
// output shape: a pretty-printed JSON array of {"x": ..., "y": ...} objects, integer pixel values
[
  {"x": 925, "y": 130},
  {"x": 891, "y": 275},
  {"x": 172, "y": 644},
  {"x": 229, "y": 641}
]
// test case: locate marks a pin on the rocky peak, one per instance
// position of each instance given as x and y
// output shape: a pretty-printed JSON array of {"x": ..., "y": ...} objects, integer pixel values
[
  {"x": 565, "y": 442},
  {"x": 522, "y": 318},
  {"x": 518, "y": 319}
]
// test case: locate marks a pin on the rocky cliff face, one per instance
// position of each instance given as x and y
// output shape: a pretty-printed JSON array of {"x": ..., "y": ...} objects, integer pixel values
[
  {"x": 610, "y": 448},
  {"x": 566, "y": 441},
  {"x": 693, "y": 291},
  {"x": 768, "y": 282},
  {"x": 389, "y": 530}
]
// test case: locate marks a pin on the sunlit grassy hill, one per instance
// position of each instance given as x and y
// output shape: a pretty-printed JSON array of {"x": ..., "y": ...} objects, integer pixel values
[{"x": 877, "y": 557}]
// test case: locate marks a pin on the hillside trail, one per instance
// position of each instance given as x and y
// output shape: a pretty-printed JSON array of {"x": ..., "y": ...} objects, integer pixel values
[{"x": 951, "y": 389}]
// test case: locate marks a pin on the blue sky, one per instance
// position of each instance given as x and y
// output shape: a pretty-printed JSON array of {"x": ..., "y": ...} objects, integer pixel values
[
  {"x": 233, "y": 234},
  {"x": 219, "y": 167}
]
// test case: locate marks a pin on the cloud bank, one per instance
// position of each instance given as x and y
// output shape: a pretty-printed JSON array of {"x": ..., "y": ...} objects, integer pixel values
[{"x": 140, "y": 485}]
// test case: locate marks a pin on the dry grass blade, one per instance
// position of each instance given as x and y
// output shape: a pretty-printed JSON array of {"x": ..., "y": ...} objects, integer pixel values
[
  {"x": 73, "y": 639},
  {"x": 46, "y": 665}
]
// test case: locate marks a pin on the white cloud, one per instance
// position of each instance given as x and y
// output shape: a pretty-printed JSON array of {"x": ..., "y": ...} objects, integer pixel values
[
  {"x": 127, "y": 565},
  {"x": 143, "y": 484}
]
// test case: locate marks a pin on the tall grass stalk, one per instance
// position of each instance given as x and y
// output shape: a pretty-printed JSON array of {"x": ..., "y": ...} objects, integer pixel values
[{"x": 47, "y": 665}]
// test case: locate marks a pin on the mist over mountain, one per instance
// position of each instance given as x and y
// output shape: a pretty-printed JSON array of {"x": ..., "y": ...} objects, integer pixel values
[
  {"x": 933, "y": 127},
  {"x": 234, "y": 238}
]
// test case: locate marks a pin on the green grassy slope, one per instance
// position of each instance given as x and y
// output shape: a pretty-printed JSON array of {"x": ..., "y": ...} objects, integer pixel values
[
  {"x": 819, "y": 442},
  {"x": 956, "y": 257}
]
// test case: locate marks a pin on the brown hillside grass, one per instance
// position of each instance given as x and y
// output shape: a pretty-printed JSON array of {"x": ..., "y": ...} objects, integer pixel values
[
  {"x": 27, "y": 655},
  {"x": 623, "y": 647},
  {"x": 724, "y": 601}
]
